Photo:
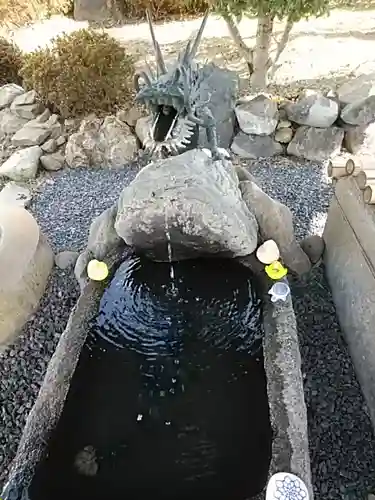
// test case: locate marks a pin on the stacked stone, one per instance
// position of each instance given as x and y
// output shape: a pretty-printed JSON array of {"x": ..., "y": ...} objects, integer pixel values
[
  {"x": 315, "y": 127},
  {"x": 30, "y": 136}
]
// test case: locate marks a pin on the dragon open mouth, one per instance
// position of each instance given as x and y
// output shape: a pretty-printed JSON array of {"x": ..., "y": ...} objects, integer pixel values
[
  {"x": 173, "y": 97},
  {"x": 164, "y": 122},
  {"x": 171, "y": 131}
]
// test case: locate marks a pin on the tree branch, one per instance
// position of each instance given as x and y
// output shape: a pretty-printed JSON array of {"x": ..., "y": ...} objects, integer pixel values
[
  {"x": 281, "y": 46},
  {"x": 246, "y": 52}
]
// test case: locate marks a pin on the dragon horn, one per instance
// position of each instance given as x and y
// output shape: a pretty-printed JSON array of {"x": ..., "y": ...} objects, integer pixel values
[
  {"x": 159, "y": 57},
  {"x": 198, "y": 38},
  {"x": 149, "y": 69},
  {"x": 138, "y": 76},
  {"x": 186, "y": 54}
]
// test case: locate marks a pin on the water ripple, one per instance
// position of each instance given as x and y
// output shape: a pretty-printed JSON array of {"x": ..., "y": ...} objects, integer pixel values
[{"x": 141, "y": 310}]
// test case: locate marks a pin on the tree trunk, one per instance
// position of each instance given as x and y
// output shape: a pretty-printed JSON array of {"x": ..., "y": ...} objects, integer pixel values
[
  {"x": 246, "y": 52},
  {"x": 262, "y": 49},
  {"x": 281, "y": 46}
]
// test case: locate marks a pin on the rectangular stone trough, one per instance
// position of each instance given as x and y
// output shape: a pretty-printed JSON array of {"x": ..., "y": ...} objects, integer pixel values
[
  {"x": 350, "y": 259},
  {"x": 282, "y": 361}
]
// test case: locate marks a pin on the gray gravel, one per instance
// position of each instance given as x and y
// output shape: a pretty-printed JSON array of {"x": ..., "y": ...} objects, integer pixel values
[
  {"x": 342, "y": 444},
  {"x": 341, "y": 439}
]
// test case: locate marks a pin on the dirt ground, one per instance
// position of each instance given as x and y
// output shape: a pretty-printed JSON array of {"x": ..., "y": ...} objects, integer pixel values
[{"x": 322, "y": 52}]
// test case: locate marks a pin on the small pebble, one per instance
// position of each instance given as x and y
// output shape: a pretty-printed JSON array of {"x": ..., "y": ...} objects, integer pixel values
[{"x": 66, "y": 259}]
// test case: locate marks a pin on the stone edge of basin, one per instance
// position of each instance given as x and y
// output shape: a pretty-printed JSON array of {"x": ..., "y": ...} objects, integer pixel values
[
  {"x": 288, "y": 413},
  {"x": 284, "y": 386}
]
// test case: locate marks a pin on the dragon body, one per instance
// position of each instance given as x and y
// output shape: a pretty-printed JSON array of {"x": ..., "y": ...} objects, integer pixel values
[{"x": 174, "y": 97}]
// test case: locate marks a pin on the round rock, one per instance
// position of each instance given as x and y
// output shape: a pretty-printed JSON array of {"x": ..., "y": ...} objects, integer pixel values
[{"x": 26, "y": 260}]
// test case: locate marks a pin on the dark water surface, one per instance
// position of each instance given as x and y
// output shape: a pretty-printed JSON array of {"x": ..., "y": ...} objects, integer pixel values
[{"x": 169, "y": 397}]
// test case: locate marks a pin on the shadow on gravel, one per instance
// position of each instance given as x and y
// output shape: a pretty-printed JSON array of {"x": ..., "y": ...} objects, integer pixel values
[{"x": 361, "y": 35}]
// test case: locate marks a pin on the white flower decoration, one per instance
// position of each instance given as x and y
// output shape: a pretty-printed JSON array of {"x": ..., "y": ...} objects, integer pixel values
[{"x": 285, "y": 486}]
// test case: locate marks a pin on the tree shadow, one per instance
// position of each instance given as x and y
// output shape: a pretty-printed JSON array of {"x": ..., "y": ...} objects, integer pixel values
[
  {"x": 361, "y": 35},
  {"x": 223, "y": 52},
  {"x": 353, "y": 5},
  {"x": 220, "y": 50}
]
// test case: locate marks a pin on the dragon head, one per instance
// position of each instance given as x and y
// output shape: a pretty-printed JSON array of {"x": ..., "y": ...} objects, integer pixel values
[{"x": 172, "y": 95}]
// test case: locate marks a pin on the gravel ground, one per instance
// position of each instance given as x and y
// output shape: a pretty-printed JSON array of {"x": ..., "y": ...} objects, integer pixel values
[
  {"x": 341, "y": 439},
  {"x": 342, "y": 445}
]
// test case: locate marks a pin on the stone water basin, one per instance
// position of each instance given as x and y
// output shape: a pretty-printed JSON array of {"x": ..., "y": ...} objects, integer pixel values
[
  {"x": 169, "y": 396},
  {"x": 170, "y": 390}
]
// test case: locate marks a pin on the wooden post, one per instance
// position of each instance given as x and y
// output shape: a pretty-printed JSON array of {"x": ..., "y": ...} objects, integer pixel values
[
  {"x": 336, "y": 167},
  {"x": 352, "y": 167},
  {"x": 369, "y": 194},
  {"x": 364, "y": 177},
  {"x": 357, "y": 163}
]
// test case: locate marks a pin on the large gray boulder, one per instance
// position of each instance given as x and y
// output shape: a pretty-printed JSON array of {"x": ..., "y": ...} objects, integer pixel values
[
  {"x": 8, "y": 93},
  {"x": 27, "y": 105},
  {"x": 258, "y": 115},
  {"x": 99, "y": 143},
  {"x": 357, "y": 89},
  {"x": 275, "y": 222},
  {"x": 191, "y": 201},
  {"x": 360, "y": 112},
  {"x": 26, "y": 260},
  {"x": 255, "y": 146},
  {"x": 313, "y": 110},
  {"x": 360, "y": 140},
  {"x": 219, "y": 88},
  {"x": 10, "y": 123},
  {"x": 316, "y": 144},
  {"x": 95, "y": 10},
  {"x": 22, "y": 165}
]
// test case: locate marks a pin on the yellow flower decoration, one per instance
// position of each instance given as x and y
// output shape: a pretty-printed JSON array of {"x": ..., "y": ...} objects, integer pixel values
[
  {"x": 96, "y": 270},
  {"x": 276, "y": 270}
]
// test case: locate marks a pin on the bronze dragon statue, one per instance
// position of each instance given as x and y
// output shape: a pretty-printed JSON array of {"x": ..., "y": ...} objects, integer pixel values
[{"x": 173, "y": 96}]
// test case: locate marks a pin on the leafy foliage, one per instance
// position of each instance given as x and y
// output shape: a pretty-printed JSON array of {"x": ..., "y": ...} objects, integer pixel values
[
  {"x": 292, "y": 9},
  {"x": 10, "y": 62},
  {"x": 161, "y": 9},
  {"x": 18, "y": 12},
  {"x": 83, "y": 72}
]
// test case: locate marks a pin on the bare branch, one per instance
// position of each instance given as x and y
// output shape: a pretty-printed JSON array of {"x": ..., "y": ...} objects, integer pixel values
[
  {"x": 246, "y": 52},
  {"x": 281, "y": 46}
]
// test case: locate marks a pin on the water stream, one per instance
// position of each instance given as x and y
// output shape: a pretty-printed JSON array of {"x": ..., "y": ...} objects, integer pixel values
[
  {"x": 169, "y": 249},
  {"x": 169, "y": 398}
]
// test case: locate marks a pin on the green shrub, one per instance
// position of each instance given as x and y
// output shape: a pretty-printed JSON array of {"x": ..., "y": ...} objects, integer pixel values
[
  {"x": 81, "y": 73},
  {"x": 10, "y": 62},
  {"x": 19, "y": 12}
]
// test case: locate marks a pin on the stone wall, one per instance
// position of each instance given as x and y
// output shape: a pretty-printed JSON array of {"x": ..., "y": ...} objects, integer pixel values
[
  {"x": 315, "y": 127},
  {"x": 31, "y": 137}
]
